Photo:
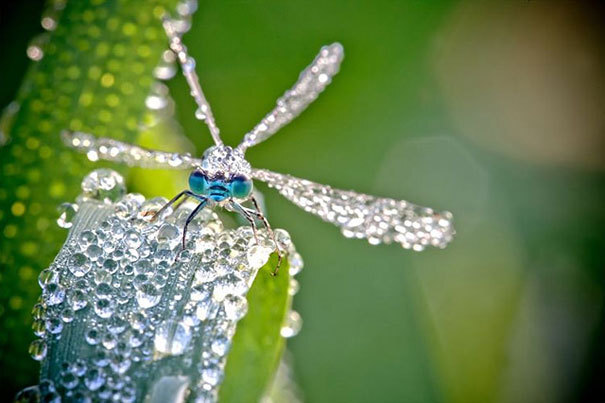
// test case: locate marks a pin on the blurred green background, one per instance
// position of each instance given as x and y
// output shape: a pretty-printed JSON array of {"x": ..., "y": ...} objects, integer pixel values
[{"x": 491, "y": 110}]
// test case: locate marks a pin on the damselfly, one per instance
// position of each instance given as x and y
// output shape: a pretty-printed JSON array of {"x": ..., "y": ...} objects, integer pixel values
[{"x": 222, "y": 176}]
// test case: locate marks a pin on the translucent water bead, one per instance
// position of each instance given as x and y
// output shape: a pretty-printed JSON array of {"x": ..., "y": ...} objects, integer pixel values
[{"x": 104, "y": 185}]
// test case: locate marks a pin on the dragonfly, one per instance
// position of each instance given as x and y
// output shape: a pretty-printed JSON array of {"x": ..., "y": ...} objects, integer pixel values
[{"x": 223, "y": 177}]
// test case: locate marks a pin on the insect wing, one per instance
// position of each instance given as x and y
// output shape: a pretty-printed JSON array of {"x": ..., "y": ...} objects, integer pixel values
[
  {"x": 379, "y": 220},
  {"x": 311, "y": 82},
  {"x": 102, "y": 148}
]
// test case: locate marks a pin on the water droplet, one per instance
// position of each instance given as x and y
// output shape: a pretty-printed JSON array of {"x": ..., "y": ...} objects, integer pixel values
[
  {"x": 47, "y": 276},
  {"x": 92, "y": 337},
  {"x": 220, "y": 346},
  {"x": 67, "y": 315},
  {"x": 79, "y": 264},
  {"x": 104, "y": 185},
  {"x": 199, "y": 114},
  {"x": 148, "y": 296},
  {"x": 235, "y": 307},
  {"x": 136, "y": 338},
  {"x": 78, "y": 367},
  {"x": 100, "y": 358},
  {"x": 104, "y": 307},
  {"x": 67, "y": 213},
  {"x": 296, "y": 263},
  {"x": 54, "y": 294},
  {"x": 292, "y": 325},
  {"x": 103, "y": 290},
  {"x": 132, "y": 239},
  {"x": 293, "y": 287},
  {"x": 172, "y": 338},
  {"x": 94, "y": 252},
  {"x": 206, "y": 309},
  {"x": 109, "y": 341},
  {"x": 38, "y": 311},
  {"x": 119, "y": 364},
  {"x": 283, "y": 239},
  {"x": 94, "y": 379},
  {"x": 169, "y": 234},
  {"x": 102, "y": 276},
  {"x": 37, "y": 349},
  {"x": 189, "y": 64},
  {"x": 165, "y": 70},
  {"x": 78, "y": 299},
  {"x": 54, "y": 325},
  {"x": 117, "y": 325},
  {"x": 144, "y": 267},
  {"x": 35, "y": 48},
  {"x": 199, "y": 292},
  {"x": 110, "y": 265},
  {"x": 212, "y": 375},
  {"x": 28, "y": 395},
  {"x": 258, "y": 256},
  {"x": 39, "y": 327},
  {"x": 87, "y": 237},
  {"x": 69, "y": 380}
]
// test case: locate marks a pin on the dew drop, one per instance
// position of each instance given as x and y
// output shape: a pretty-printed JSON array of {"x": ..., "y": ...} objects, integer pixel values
[
  {"x": 148, "y": 296},
  {"x": 94, "y": 252},
  {"x": 94, "y": 379},
  {"x": 292, "y": 325},
  {"x": 79, "y": 264},
  {"x": 54, "y": 294},
  {"x": 235, "y": 307},
  {"x": 220, "y": 346},
  {"x": 92, "y": 337},
  {"x": 47, "y": 276},
  {"x": 54, "y": 325},
  {"x": 67, "y": 213},
  {"x": 258, "y": 256},
  {"x": 37, "y": 349},
  {"x": 104, "y": 185},
  {"x": 296, "y": 263},
  {"x": 211, "y": 375},
  {"x": 77, "y": 299},
  {"x": 69, "y": 380}
]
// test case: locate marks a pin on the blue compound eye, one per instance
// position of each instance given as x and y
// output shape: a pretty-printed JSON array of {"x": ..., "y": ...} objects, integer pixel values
[
  {"x": 240, "y": 186},
  {"x": 198, "y": 182}
]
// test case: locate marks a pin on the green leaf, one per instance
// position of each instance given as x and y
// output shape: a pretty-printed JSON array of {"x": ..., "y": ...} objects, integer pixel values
[
  {"x": 257, "y": 344},
  {"x": 94, "y": 76}
]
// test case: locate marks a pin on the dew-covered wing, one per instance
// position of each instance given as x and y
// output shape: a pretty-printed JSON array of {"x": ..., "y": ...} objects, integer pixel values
[
  {"x": 311, "y": 82},
  {"x": 102, "y": 148},
  {"x": 379, "y": 220}
]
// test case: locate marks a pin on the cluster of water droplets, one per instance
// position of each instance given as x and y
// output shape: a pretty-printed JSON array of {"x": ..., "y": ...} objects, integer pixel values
[
  {"x": 123, "y": 305},
  {"x": 376, "y": 219}
]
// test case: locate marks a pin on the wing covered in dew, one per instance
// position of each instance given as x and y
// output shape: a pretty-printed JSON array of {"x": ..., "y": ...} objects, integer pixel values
[
  {"x": 311, "y": 82},
  {"x": 102, "y": 148},
  {"x": 379, "y": 220}
]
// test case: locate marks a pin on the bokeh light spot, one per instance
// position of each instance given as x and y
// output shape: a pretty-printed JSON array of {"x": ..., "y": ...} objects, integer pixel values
[
  {"x": 107, "y": 80},
  {"x": 18, "y": 209}
]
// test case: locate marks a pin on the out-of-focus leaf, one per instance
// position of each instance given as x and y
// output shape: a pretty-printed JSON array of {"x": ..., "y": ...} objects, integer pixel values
[
  {"x": 257, "y": 344},
  {"x": 94, "y": 76}
]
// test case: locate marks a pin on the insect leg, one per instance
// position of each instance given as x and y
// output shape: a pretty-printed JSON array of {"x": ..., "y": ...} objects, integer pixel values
[
  {"x": 192, "y": 216},
  {"x": 242, "y": 210},
  {"x": 187, "y": 193},
  {"x": 258, "y": 213}
]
